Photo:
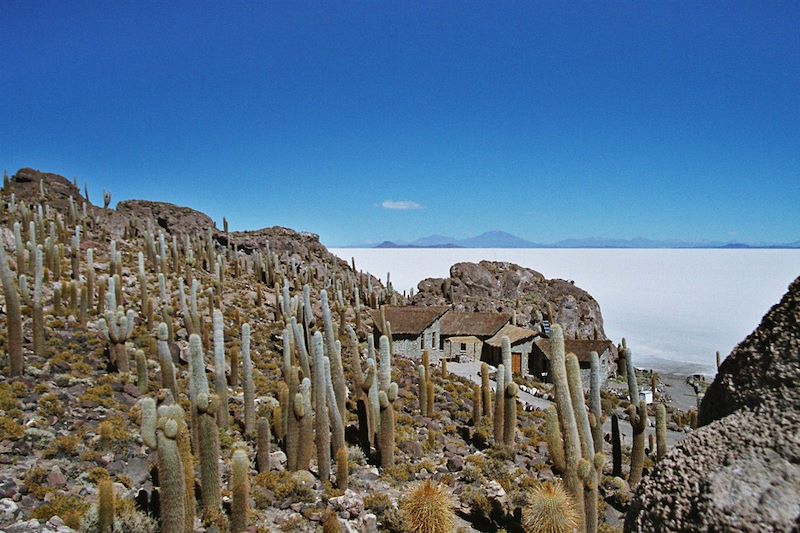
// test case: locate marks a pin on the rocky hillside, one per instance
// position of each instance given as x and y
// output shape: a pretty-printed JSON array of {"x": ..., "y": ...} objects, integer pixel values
[
  {"x": 506, "y": 287},
  {"x": 741, "y": 471},
  {"x": 110, "y": 313}
]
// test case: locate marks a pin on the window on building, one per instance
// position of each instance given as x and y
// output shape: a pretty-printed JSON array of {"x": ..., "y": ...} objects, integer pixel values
[{"x": 463, "y": 346}]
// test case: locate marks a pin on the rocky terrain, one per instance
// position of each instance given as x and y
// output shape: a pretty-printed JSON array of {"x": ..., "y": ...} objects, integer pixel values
[
  {"x": 741, "y": 470},
  {"x": 509, "y": 288},
  {"x": 79, "y": 382}
]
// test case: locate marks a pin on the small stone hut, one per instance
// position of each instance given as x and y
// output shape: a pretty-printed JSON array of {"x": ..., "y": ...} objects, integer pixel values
[
  {"x": 522, "y": 342},
  {"x": 463, "y": 334},
  {"x": 539, "y": 364}
]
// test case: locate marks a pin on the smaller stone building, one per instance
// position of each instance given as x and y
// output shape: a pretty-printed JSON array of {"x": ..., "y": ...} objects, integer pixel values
[
  {"x": 463, "y": 334},
  {"x": 413, "y": 329},
  {"x": 539, "y": 364},
  {"x": 522, "y": 342}
]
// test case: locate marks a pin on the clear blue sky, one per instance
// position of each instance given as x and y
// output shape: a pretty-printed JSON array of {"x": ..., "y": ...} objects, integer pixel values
[{"x": 547, "y": 119}]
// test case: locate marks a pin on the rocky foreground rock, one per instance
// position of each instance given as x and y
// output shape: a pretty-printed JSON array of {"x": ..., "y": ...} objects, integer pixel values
[
  {"x": 506, "y": 287},
  {"x": 741, "y": 471}
]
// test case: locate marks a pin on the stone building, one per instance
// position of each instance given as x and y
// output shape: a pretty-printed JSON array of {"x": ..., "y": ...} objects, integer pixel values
[
  {"x": 413, "y": 329},
  {"x": 522, "y": 343},
  {"x": 463, "y": 334}
]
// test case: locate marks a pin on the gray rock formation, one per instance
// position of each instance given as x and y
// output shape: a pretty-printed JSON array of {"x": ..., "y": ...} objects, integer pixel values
[
  {"x": 506, "y": 287},
  {"x": 741, "y": 471}
]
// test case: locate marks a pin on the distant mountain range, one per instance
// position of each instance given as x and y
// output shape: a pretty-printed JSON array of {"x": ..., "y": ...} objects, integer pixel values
[{"x": 502, "y": 239}]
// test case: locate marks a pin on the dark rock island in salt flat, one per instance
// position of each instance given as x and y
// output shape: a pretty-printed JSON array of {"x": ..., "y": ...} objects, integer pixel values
[{"x": 741, "y": 471}]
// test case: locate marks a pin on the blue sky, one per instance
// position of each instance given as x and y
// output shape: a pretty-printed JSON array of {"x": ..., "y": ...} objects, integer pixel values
[{"x": 364, "y": 121}]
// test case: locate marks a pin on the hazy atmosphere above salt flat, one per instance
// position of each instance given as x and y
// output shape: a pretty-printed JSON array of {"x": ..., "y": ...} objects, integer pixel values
[{"x": 402, "y": 267}]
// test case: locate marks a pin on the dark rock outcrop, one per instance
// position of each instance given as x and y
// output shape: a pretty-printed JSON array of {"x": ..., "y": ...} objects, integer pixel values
[
  {"x": 506, "y": 287},
  {"x": 741, "y": 471},
  {"x": 171, "y": 218}
]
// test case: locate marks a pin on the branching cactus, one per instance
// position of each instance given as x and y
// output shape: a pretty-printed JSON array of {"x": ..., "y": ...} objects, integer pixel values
[
  {"x": 637, "y": 415},
  {"x": 566, "y": 417},
  {"x": 205, "y": 405},
  {"x": 162, "y": 430},
  {"x": 13, "y": 316},
  {"x": 117, "y": 326}
]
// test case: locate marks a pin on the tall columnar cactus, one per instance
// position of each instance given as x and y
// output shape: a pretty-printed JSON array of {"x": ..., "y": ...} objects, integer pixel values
[
  {"x": 661, "y": 430},
  {"x": 240, "y": 489},
  {"x": 566, "y": 416},
  {"x": 616, "y": 447},
  {"x": 162, "y": 432},
  {"x": 105, "y": 506},
  {"x": 38, "y": 312},
  {"x": 337, "y": 423},
  {"x": 335, "y": 356},
  {"x": 342, "y": 467},
  {"x": 142, "y": 381},
  {"x": 477, "y": 410},
  {"x": 590, "y": 466},
  {"x": 422, "y": 391},
  {"x": 622, "y": 360},
  {"x": 499, "y": 404},
  {"x": 248, "y": 384},
  {"x": 595, "y": 406},
  {"x": 555, "y": 444},
  {"x": 305, "y": 448},
  {"x": 384, "y": 364},
  {"x": 295, "y": 412},
  {"x": 322, "y": 421},
  {"x": 300, "y": 344},
  {"x": 13, "y": 316},
  {"x": 486, "y": 390},
  {"x": 637, "y": 415},
  {"x": 386, "y": 437},
  {"x": 220, "y": 381},
  {"x": 263, "y": 445},
  {"x": 168, "y": 380},
  {"x": 91, "y": 276},
  {"x": 511, "y": 390},
  {"x": 208, "y": 433}
]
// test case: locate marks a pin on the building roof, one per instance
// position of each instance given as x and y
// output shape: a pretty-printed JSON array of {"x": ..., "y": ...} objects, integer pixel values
[
  {"x": 407, "y": 319},
  {"x": 465, "y": 339},
  {"x": 478, "y": 324},
  {"x": 514, "y": 334},
  {"x": 582, "y": 348}
]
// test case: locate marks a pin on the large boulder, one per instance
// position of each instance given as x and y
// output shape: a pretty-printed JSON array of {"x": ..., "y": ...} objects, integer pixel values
[
  {"x": 506, "y": 287},
  {"x": 741, "y": 471}
]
